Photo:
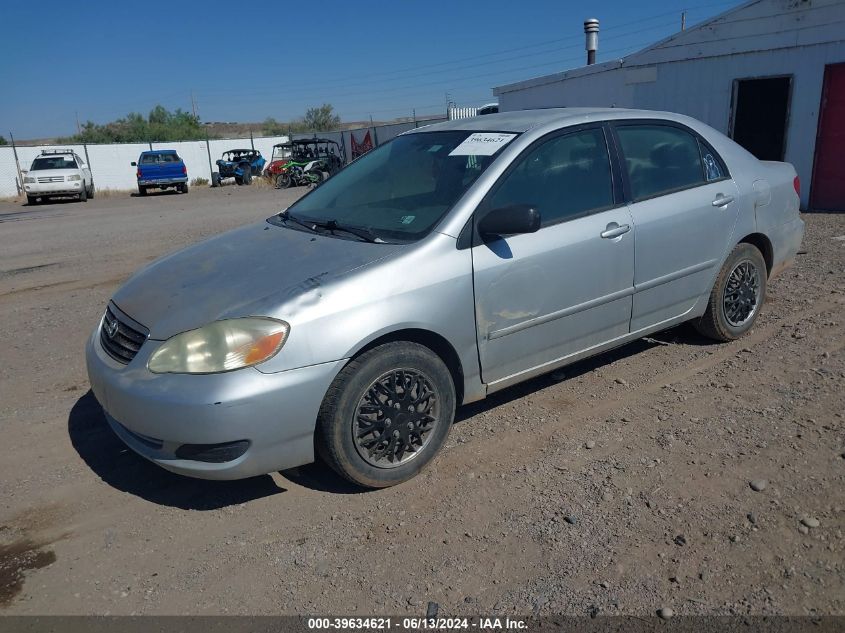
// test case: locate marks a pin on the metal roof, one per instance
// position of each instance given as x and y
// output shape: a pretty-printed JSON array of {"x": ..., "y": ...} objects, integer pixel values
[{"x": 750, "y": 26}]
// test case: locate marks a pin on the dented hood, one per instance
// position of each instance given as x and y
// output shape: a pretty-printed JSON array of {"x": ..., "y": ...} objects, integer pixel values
[{"x": 250, "y": 271}]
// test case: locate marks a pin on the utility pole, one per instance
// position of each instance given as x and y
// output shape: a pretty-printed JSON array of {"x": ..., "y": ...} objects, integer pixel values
[
  {"x": 683, "y": 20},
  {"x": 193, "y": 105},
  {"x": 17, "y": 163},
  {"x": 78, "y": 128}
]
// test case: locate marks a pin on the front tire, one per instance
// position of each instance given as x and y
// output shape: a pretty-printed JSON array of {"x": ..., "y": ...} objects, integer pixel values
[
  {"x": 32, "y": 200},
  {"x": 283, "y": 181},
  {"x": 737, "y": 296},
  {"x": 83, "y": 195},
  {"x": 183, "y": 188},
  {"x": 386, "y": 415}
]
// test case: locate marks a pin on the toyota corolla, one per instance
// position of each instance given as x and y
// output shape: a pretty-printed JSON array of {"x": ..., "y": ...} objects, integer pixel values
[{"x": 454, "y": 261}]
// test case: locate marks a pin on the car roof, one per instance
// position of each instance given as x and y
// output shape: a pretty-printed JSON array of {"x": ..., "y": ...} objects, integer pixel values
[
  {"x": 524, "y": 120},
  {"x": 240, "y": 150},
  {"x": 158, "y": 151}
]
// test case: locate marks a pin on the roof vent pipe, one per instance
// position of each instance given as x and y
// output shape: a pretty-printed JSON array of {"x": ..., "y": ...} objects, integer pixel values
[{"x": 591, "y": 30}]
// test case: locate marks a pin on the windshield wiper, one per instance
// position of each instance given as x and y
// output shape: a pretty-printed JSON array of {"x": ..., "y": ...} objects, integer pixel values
[
  {"x": 359, "y": 231},
  {"x": 287, "y": 217},
  {"x": 331, "y": 226}
]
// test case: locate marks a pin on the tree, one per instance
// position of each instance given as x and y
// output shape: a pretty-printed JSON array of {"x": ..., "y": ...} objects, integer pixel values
[
  {"x": 159, "y": 125},
  {"x": 272, "y": 127},
  {"x": 3, "y": 140},
  {"x": 321, "y": 119}
]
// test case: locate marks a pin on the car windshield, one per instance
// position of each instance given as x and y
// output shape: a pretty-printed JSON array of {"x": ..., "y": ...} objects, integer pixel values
[
  {"x": 400, "y": 190},
  {"x": 53, "y": 162},
  {"x": 282, "y": 152},
  {"x": 152, "y": 159}
]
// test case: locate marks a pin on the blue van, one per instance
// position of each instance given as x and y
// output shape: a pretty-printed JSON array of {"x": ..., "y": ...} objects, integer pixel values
[{"x": 161, "y": 169}]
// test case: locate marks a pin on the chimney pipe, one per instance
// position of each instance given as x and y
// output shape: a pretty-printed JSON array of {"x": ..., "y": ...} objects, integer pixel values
[{"x": 591, "y": 30}]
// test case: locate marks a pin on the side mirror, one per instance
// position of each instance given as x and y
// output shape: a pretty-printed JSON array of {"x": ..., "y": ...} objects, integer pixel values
[
  {"x": 510, "y": 220},
  {"x": 134, "y": 164}
]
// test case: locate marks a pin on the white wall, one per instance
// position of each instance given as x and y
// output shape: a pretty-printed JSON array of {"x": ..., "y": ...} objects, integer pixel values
[{"x": 110, "y": 164}]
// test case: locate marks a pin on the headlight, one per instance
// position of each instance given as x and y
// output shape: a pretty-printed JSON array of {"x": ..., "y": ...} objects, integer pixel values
[
  {"x": 29, "y": 179},
  {"x": 220, "y": 346},
  {"x": 74, "y": 177}
]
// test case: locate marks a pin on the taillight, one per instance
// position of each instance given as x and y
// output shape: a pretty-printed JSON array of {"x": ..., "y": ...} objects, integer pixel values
[
  {"x": 797, "y": 184},
  {"x": 184, "y": 170},
  {"x": 138, "y": 174}
]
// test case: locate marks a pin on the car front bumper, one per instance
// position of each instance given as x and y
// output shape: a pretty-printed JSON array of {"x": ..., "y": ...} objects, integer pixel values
[
  {"x": 72, "y": 188},
  {"x": 156, "y": 414}
]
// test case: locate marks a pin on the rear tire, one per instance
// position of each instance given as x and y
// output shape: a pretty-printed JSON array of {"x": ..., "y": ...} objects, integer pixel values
[
  {"x": 395, "y": 396},
  {"x": 91, "y": 191},
  {"x": 737, "y": 297},
  {"x": 183, "y": 188},
  {"x": 142, "y": 191}
]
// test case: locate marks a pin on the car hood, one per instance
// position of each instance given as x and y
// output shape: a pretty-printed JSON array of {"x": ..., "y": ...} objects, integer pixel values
[{"x": 251, "y": 271}]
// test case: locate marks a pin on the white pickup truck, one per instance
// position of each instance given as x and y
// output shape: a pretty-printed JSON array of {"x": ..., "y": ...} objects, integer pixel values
[{"x": 58, "y": 173}]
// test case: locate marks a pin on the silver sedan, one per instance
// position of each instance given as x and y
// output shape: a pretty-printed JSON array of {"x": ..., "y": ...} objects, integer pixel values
[{"x": 452, "y": 262}]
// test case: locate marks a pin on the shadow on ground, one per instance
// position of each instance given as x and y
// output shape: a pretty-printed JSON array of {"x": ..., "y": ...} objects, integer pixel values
[
  {"x": 122, "y": 469},
  {"x": 683, "y": 334}
]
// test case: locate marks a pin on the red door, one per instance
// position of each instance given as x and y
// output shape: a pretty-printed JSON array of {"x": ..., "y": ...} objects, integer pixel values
[{"x": 828, "y": 189}]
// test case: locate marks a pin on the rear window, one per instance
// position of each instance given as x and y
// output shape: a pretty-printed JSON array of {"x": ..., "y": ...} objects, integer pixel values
[
  {"x": 154, "y": 159},
  {"x": 54, "y": 162},
  {"x": 659, "y": 159}
]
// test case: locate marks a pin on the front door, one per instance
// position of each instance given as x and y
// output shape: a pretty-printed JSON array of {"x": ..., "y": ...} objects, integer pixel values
[
  {"x": 684, "y": 205},
  {"x": 544, "y": 296}
]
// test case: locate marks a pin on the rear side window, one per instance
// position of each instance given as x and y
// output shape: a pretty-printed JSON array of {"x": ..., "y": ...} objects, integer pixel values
[
  {"x": 563, "y": 178},
  {"x": 660, "y": 159},
  {"x": 713, "y": 169}
]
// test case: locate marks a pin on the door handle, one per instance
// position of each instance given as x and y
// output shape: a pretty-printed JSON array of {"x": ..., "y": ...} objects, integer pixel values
[
  {"x": 722, "y": 200},
  {"x": 615, "y": 230}
]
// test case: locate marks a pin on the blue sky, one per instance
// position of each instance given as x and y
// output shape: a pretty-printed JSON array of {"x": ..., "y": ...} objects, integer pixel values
[{"x": 102, "y": 59}]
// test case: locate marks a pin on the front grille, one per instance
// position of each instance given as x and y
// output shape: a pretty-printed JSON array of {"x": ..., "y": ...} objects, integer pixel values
[
  {"x": 51, "y": 179},
  {"x": 120, "y": 340}
]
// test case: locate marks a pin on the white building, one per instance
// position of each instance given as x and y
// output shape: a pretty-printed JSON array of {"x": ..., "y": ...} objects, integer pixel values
[{"x": 768, "y": 73}]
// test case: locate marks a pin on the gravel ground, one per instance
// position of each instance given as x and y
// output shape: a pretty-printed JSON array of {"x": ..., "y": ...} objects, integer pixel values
[{"x": 672, "y": 473}]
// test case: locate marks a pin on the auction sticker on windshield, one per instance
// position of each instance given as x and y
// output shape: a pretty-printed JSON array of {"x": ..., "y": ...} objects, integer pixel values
[{"x": 482, "y": 144}]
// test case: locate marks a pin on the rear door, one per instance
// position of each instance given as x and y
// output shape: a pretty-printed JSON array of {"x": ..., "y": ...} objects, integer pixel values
[
  {"x": 544, "y": 296},
  {"x": 684, "y": 206}
]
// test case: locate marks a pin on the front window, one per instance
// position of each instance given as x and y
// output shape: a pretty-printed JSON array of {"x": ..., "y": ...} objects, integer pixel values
[
  {"x": 564, "y": 178},
  {"x": 53, "y": 162},
  {"x": 401, "y": 190}
]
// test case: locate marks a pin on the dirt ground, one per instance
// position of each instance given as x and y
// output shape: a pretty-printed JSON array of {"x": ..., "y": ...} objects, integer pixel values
[{"x": 619, "y": 485}]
